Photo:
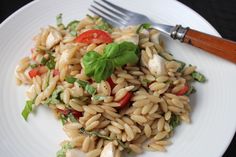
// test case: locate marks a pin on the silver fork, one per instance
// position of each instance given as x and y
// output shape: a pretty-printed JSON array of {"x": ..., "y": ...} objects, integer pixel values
[{"x": 118, "y": 17}]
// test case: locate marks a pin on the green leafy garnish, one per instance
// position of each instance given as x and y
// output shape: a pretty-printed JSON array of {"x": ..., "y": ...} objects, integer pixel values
[
  {"x": 72, "y": 27},
  {"x": 98, "y": 97},
  {"x": 182, "y": 65},
  {"x": 63, "y": 119},
  {"x": 87, "y": 87},
  {"x": 100, "y": 67},
  {"x": 65, "y": 147},
  {"x": 59, "y": 21},
  {"x": 27, "y": 109},
  {"x": 71, "y": 117},
  {"x": 104, "y": 26},
  {"x": 190, "y": 91},
  {"x": 89, "y": 16},
  {"x": 174, "y": 121},
  {"x": 198, "y": 76},
  {"x": 143, "y": 26},
  {"x": 50, "y": 63},
  {"x": 34, "y": 66},
  {"x": 70, "y": 79},
  {"x": 55, "y": 97}
]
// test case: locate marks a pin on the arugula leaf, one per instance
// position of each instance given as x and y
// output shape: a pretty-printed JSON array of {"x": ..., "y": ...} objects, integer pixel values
[
  {"x": 174, "y": 121},
  {"x": 198, "y": 77},
  {"x": 65, "y": 147},
  {"x": 70, "y": 79},
  {"x": 27, "y": 109},
  {"x": 100, "y": 67},
  {"x": 59, "y": 21},
  {"x": 143, "y": 26},
  {"x": 72, "y": 27}
]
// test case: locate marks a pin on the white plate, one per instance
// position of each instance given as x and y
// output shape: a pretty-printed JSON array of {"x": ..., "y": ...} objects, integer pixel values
[{"x": 213, "y": 117}]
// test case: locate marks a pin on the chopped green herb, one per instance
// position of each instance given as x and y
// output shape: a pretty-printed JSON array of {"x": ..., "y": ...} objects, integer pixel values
[
  {"x": 198, "y": 76},
  {"x": 72, "y": 27},
  {"x": 87, "y": 87},
  {"x": 174, "y": 121},
  {"x": 65, "y": 147},
  {"x": 163, "y": 56},
  {"x": 190, "y": 91},
  {"x": 34, "y": 66},
  {"x": 51, "y": 63},
  {"x": 55, "y": 97},
  {"x": 104, "y": 26},
  {"x": 43, "y": 61},
  {"x": 72, "y": 118},
  {"x": 145, "y": 82},
  {"x": 59, "y": 21},
  {"x": 143, "y": 26},
  {"x": 100, "y": 67},
  {"x": 182, "y": 65},
  {"x": 63, "y": 119},
  {"x": 99, "y": 97},
  {"x": 70, "y": 79},
  {"x": 89, "y": 16},
  {"x": 27, "y": 109}
]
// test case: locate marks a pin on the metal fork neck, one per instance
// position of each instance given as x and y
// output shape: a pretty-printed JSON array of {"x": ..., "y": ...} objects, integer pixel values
[{"x": 179, "y": 32}]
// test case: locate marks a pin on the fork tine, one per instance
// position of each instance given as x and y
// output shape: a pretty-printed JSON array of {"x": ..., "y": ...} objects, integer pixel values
[
  {"x": 109, "y": 15},
  {"x": 112, "y": 11},
  {"x": 126, "y": 12},
  {"x": 113, "y": 23}
]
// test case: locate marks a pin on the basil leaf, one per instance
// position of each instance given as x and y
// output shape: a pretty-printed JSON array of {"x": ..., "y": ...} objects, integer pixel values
[
  {"x": 72, "y": 26},
  {"x": 87, "y": 87},
  {"x": 143, "y": 26},
  {"x": 63, "y": 119},
  {"x": 59, "y": 21},
  {"x": 190, "y": 91},
  {"x": 112, "y": 50},
  {"x": 90, "y": 62},
  {"x": 174, "y": 121},
  {"x": 104, "y": 26},
  {"x": 182, "y": 65},
  {"x": 27, "y": 109},
  {"x": 70, "y": 79},
  {"x": 55, "y": 97},
  {"x": 34, "y": 66},
  {"x": 65, "y": 147},
  {"x": 72, "y": 118},
  {"x": 125, "y": 57},
  {"x": 43, "y": 61},
  {"x": 51, "y": 64},
  {"x": 103, "y": 70},
  {"x": 198, "y": 77},
  {"x": 98, "y": 97},
  {"x": 89, "y": 16}
]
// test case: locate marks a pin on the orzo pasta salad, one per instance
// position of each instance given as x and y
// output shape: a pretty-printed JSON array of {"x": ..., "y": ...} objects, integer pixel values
[{"x": 115, "y": 90}]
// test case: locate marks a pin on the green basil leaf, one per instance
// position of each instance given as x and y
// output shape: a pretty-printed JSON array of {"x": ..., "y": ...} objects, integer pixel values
[
  {"x": 112, "y": 50},
  {"x": 103, "y": 70},
  {"x": 51, "y": 64},
  {"x": 43, "y": 61},
  {"x": 190, "y": 91},
  {"x": 65, "y": 147},
  {"x": 125, "y": 57},
  {"x": 72, "y": 117},
  {"x": 98, "y": 97},
  {"x": 34, "y": 66},
  {"x": 90, "y": 62},
  {"x": 72, "y": 26},
  {"x": 82, "y": 83},
  {"x": 90, "y": 89},
  {"x": 70, "y": 79},
  {"x": 182, "y": 65},
  {"x": 143, "y": 26},
  {"x": 63, "y": 119},
  {"x": 27, "y": 109},
  {"x": 54, "y": 98},
  {"x": 174, "y": 121},
  {"x": 198, "y": 77},
  {"x": 89, "y": 16},
  {"x": 59, "y": 21}
]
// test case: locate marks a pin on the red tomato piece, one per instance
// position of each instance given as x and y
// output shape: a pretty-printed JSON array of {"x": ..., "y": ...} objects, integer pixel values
[
  {"x": 34, "y": 72},
  {"x": 111, "y": 83},
  {"x": 56, "y": 72},
  {"x": 183, "y": 90},
  {"x": 76, "y": 114},
  {"x": 94, "y": 36},
  {"x": 125, "y": 100}
]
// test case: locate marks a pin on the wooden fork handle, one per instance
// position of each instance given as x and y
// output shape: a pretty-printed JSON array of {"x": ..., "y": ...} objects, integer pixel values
[{"x": 215, "y": 45}]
